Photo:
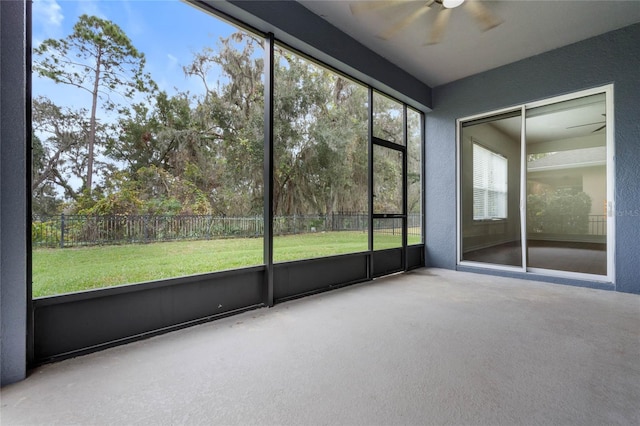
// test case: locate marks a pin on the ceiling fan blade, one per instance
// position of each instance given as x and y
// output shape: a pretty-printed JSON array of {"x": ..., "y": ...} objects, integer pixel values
[
  {"x": 486, "y": 19},
  {"x": 366, "y": 6},
  {"x": 583, "y": 125},
  {"x": 404, "y": 22},
  {"x": 439, "y": 26},
  {"x": 599, "y": 128}
]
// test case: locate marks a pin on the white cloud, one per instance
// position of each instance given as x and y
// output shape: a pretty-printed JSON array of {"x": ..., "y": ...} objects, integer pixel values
[
  {"x": 135, "y": 24},
  {"x": 48, "y": 15},
  {"x": 91, "y": 8}
]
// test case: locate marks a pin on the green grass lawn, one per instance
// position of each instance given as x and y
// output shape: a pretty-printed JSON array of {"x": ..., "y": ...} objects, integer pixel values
[{"x": 59, "y": 271}]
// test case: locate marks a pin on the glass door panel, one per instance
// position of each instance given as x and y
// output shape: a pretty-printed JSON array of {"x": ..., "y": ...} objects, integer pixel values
[
  {"x": 567, "y": 186},
  {"x": 490, "y": 189},
  {"x": 414, "y": 178},
  {"x": 387, "y": 119},
  {"x": 387, "y": 180},
  {"x": 388, "y": 197},
  {"x": 387, "y": 233}
]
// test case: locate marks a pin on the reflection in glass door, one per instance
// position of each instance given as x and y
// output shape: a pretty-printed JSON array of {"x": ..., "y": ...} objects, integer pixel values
[
  {"x": 535, "y": 189},
  {"x": 490, "y": 190},
  {"x": 567, "y": 186}
]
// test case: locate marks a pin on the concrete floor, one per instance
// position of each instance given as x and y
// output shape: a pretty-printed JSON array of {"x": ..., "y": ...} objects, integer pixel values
[{"x": 428, "y": 347}]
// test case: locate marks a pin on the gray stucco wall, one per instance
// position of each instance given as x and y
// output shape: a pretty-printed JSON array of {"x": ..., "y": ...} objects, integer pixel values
[
  {"x": 13, "y": 204},
  {"x": 610, "y": 58}
]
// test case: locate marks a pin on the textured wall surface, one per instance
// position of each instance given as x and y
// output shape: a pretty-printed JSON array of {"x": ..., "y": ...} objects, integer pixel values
[
  {"x": 610, "y": 58},
  {"x": 13, "y": 262}
]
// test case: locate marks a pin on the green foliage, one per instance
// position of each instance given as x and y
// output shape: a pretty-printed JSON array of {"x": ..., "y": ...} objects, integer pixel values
[
  {"x": 387, "y": 119},
  {"x": 123, "y": 202},
  {"x": 98, "y": 58},
  {"x": 96, "y": 47},
  {"x": 414, "y": 161},
  {"x": 45, "y": 233},
  {"x": 559, "y": 211},
  {"x": 568, "y": 202},
  {"x": 59, "y": 153},
  {"x": 320, "y": 139},
  {"x": 203, "y": 153}
]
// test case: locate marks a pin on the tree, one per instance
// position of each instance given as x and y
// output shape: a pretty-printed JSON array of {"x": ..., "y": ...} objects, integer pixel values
[
  {"x": 189, "y": 148},
  {"x": 320, "y": 140},
  {"x": 229, "y": 119},
  {"x": 167, "y": 156},
  {"x": 58, "y": 150},
  {"x": 44, "y": 201},
  {"x": 563, "y": 210},
  {"x": 151, "y": 133},
  {"x": 100, "y": 59},
  {"x": 414, "y": 162}
]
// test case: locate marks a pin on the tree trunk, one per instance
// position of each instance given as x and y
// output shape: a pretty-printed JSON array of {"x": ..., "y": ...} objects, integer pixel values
[{"x": 92, "y": 122}]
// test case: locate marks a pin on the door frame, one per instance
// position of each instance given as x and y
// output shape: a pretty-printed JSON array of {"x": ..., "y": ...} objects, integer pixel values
[
  {"x": 608, "y": 91},
  {"x": 402, "y": 149}
]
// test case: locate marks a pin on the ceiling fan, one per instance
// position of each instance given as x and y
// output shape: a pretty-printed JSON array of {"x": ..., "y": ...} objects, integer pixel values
[
  {"x": 604, "y": 124},
  {"x": 444, "y": 8}
]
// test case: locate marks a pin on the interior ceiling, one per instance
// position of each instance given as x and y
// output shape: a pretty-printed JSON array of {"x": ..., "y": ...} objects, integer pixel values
[
  {"x": 528, "y": 28},
  {"x": 565, "y": 121}
]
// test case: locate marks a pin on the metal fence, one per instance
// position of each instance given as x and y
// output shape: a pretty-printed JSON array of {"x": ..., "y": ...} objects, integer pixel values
[
  {"x": 81, "y": 230},
  {"x": 568, "y": 224}
]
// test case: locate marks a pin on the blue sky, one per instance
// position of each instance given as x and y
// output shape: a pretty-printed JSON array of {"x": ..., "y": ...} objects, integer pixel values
[{"x": 167, "y": 31}]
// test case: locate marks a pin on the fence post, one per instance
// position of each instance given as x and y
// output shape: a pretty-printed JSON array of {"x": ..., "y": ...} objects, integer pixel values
[{"x": 62, "y": 230}]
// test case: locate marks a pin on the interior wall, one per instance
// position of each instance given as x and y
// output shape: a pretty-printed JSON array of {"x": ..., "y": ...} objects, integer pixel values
[
  {"x": 594, "y": 185},
  {"x": 605, "y": 59},
  {"x": 13, "y": 197}
]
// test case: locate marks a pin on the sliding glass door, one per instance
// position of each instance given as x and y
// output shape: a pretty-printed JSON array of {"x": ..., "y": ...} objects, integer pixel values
[
  {"x": 535, "y": 187},
  {"x": 567, "y": 185},
  {"x": 490, "y": 189}
]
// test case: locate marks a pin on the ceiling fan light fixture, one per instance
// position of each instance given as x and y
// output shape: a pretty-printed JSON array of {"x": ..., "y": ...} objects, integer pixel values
[{"x": 450, "y": 4}]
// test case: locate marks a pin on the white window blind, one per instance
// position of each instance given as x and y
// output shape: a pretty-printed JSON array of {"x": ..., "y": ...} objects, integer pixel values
[{"x": 489, "y": 184}]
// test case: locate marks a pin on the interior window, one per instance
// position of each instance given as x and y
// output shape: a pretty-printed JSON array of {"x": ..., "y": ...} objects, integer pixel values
[{"x": 489, "y": 184}]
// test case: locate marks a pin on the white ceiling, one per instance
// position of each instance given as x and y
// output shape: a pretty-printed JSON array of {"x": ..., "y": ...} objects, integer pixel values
[
  {"x": 528, "y": 28},
  {"x": 571, "y": 120}
]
